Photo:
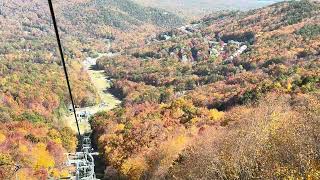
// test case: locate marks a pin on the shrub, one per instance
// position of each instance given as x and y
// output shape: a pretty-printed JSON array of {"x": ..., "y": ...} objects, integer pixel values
[
  {"x": 276, "y": 139},
  {"x": 43, "y": 158},
  {"x": 32, "y": 138},
  {"x": 6, "y": 166},
  {"x": 215, "y": 115},
  {"x": 298, "y": 10},
  {"x": 2, "y": 138},
  {"x": 69, "y": 140},
  {"x": 309, "y": 31},
  {"x": 31, "y": 117},
  {"x": 277, "y": 60},
  {"x": 134, "y": 168}
]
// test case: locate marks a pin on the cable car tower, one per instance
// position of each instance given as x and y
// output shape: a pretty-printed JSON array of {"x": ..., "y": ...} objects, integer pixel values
[{"x": 83, "y": 161}]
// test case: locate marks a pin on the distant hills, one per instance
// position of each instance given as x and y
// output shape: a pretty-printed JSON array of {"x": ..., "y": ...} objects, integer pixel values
[
  {"x": 94, "y": 18},
  {"x": 192, "y": 8},
  {"x": 120, "y": 14}
]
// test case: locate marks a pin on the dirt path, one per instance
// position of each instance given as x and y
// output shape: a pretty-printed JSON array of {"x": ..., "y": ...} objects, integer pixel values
[{"x": 102, "y": 84}]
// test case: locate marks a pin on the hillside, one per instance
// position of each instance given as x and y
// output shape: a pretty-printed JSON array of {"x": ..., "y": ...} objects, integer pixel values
[
  {"x": 231, "y": 96},
  {"x": 121, "y": 21},
  {"x": 28, "y": 41},
  {"x": 33, "y": 92},
  {"x": 120, "y": 14}
]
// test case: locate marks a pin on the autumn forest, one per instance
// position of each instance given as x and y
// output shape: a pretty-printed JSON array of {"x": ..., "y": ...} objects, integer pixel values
[{"x": 230, "y": 95}]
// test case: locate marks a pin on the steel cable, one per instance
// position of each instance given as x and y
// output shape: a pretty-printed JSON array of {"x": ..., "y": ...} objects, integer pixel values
[{"x": 64, "y": 63}]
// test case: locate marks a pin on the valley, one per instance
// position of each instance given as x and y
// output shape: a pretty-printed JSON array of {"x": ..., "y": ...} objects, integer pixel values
[
  {"x": 34, "y": 97},
  {"x": 231, "y": 94},
  {"x": 106, "y": 100},
  {"x": 223, "y": 92}
]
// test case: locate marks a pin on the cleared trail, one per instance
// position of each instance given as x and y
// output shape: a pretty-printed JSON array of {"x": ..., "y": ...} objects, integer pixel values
[
  {"x": 83, "y": 160},
  {"x": 107, "y": 101}
]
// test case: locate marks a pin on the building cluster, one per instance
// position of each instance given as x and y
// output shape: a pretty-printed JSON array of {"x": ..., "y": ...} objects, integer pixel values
[
  {"x": 211, "y": 49},
  {"x": 200, "y": 48}
]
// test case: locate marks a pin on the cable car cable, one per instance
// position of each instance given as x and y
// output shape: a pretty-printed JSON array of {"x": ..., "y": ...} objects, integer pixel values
[{"x": 63, "y": 62}]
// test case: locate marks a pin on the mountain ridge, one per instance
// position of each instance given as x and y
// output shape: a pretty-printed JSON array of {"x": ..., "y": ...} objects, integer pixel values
[{"x": 121, "y": 14}]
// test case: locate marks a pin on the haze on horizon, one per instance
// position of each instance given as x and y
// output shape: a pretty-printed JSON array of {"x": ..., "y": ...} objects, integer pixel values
[{"x": 195, "y": 8}]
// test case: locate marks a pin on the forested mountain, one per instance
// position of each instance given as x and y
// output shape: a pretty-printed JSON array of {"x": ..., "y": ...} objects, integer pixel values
[
  {"x": 120, "y": 14},
  {"x": 231, "y": 96},
  {"x": 33, "y": 92},
  {"x": 122, "y": 20}
]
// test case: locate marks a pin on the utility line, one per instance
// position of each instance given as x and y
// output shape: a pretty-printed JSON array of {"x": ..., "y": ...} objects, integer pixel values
[{"x": 63, "y": 62}]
